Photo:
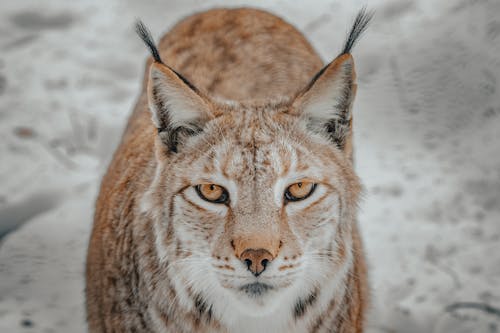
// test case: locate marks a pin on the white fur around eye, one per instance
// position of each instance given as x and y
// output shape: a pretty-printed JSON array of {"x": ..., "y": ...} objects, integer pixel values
[
  {"x": 193, "y": 196},
  {"x": 282, "y": 184},
  {"x": 293, "y": 207}
]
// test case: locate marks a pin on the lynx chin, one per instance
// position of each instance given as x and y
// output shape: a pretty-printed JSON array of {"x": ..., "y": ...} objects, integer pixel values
[{"x": 230, "y": 204}]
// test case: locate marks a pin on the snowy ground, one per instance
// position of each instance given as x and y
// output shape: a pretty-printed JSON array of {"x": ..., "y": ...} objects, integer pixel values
[{"x": 427, "y": 122}]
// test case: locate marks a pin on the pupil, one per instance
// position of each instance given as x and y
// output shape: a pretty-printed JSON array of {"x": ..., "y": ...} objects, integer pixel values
[
  {"x": 212, "y": 187},
  {"x": 299, "y": 184}
]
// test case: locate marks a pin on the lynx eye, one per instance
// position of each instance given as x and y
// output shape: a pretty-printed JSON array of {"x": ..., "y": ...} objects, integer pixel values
[
  {"x": 212, "y": 193},
  {"x": 299, "y": 191}
]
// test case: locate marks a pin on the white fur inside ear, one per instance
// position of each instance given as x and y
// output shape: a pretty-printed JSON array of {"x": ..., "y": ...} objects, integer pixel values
[
  {"x": 172, "y": 102},
  {"x": 320, "y": 102}
]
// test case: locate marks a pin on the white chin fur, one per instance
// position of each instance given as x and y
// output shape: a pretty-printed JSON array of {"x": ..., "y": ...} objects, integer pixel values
[{"x": 258, "y": 306}]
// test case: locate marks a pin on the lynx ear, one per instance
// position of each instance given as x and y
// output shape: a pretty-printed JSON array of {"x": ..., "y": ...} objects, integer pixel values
[
  {"x": 178, "y": 108},
  {"x": 327, "y": 101}
]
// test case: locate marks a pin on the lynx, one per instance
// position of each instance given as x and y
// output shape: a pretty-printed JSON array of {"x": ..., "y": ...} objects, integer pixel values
[{"x": 230, "y": 204}]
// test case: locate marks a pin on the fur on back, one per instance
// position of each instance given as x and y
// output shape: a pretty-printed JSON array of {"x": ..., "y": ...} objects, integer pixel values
[{"x": 240, "y": 100}]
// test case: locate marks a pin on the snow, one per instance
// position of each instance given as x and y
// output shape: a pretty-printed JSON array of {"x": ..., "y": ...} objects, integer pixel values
[{"x": 427, "y": 121}]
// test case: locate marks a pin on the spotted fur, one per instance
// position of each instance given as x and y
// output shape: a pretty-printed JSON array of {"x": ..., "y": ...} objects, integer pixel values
[{"x": 253, "y": 112}]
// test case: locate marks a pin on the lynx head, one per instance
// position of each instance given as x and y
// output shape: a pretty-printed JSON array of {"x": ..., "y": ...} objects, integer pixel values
[{"x": 253, "y": 203}]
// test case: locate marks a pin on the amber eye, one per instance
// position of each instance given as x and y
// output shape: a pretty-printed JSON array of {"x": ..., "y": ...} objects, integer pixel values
[
  {"x": 212, "y": 193},
  {"x": 299, "y": 191}
]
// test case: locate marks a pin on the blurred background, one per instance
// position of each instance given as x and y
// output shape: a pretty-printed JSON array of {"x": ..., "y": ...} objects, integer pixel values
[{"x": 427, "y": 137}]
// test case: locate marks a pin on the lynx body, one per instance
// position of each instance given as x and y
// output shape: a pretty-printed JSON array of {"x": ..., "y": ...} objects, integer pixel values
[{"x": 230, "y": 204}]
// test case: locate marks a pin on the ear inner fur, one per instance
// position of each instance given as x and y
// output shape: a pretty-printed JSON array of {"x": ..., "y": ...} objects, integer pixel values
[
  {"x": 177, "y": 109},
  {"x": 327, "y": 101}
]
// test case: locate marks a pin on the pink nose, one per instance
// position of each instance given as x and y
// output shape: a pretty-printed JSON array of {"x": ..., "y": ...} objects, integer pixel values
[{"x": 256, "y": 260}]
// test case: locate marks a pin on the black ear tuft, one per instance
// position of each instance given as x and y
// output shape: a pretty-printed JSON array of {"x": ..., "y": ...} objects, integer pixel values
[
  {"x": 359, "y": 26},
  {"x": 146, "y": 37}
]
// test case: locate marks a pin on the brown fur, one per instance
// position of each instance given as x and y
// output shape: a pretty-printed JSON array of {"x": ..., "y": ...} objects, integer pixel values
[{"x": 248, "y": 56}]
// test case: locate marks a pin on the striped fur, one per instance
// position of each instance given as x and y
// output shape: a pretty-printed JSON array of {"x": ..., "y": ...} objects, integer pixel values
[{"x": 161, "y": 259}]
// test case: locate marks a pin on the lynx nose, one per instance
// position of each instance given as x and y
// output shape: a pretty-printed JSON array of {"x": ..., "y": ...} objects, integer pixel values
[{"x": 256, "y": 260}]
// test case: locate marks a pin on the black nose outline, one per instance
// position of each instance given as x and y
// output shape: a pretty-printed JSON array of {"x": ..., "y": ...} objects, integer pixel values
[{"x": 256, "y": 260}]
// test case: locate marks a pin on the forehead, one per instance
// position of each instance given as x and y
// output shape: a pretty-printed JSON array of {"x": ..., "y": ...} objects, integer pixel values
[{"x": 259, "y": 143}]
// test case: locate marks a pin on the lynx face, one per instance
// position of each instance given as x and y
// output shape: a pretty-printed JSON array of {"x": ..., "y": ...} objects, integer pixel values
[{"x": 253, "y": 204}]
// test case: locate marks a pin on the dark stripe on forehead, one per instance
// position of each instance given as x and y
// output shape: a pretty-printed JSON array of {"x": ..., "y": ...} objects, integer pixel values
[{"x": 225, "y": 164}]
